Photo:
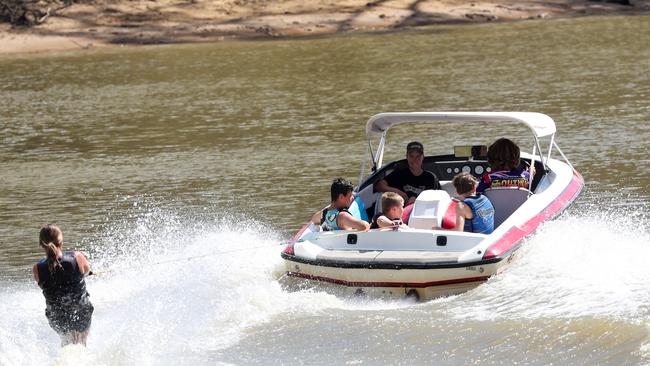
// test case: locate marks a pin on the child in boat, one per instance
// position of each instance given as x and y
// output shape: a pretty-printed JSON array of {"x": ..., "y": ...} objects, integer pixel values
[
  {"x": 392, "y": 205},
  {"x": 336, "y": 215},
  {"x": 474, "y": 213},
  {"x": 61, "y": 276},
  {"x": 503, "y": 157}
]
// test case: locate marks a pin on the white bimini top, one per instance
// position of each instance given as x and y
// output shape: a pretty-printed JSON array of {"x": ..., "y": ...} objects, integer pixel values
[{"x": 540, "y": 124}]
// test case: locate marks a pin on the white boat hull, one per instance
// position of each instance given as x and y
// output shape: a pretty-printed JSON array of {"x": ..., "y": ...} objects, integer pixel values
[{"x": 424, "y": 284}]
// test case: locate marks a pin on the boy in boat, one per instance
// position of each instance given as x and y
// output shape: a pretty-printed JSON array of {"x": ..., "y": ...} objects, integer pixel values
[
  {"x": 503, "y": 157},
  {"x": 474, "y": 213},
  {"x": 392, "y": 205},
  {"x": 410, "y": 182},
  {"x": 336, "y": 215}
]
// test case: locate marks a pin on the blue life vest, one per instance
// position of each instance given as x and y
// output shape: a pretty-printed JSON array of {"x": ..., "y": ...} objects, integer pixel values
[
  {"x": 328, "y": 221},
  {"x": 483, "y": 221}
]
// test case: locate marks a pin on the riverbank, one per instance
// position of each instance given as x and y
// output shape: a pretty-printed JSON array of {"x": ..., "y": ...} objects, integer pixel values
[{"x": 124, "y": 22}]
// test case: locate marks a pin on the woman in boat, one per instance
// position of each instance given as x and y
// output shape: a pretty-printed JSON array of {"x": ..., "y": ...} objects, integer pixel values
[
  {"x": 336, "y": 215},
  {"x": 503, "y": 157},
  {"x": 474, "y": 213},
  {"x": 61, "y": 277}
]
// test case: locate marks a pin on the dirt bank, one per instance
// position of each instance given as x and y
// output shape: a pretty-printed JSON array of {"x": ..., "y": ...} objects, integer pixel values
[{"x": 123, "y": 22}]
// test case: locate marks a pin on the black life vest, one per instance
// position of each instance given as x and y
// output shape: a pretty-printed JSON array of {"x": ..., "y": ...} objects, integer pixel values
[{"x": 65, "y": 286}]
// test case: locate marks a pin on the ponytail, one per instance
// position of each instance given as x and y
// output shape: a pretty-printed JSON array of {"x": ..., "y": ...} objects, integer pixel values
[
  {"x": 51, "y": 239},
  {"x": 53, "y": 262}
]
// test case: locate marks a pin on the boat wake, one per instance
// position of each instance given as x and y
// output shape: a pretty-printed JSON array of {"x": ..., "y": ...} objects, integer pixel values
[
  {"x": 172, "y": 290},
  {"x": 577, "y": 266},
  {"x": 167, "y": 290}
]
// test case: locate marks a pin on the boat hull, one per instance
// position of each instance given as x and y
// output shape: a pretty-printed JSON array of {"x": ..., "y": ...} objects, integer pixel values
[{"x": 421, "y": 283}]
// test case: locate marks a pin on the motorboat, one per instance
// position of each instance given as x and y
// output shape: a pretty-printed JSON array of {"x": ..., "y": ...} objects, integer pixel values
[{"x": 423, "y": 260}]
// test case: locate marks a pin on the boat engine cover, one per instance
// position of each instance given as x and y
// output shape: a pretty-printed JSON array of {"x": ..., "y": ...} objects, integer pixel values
[{"x": 429, "y": 209}]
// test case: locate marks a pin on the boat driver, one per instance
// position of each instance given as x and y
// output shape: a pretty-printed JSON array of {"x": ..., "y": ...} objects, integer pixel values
[
  {"x": 409, "y": 182},
  {"x": 336, "y": 215}
]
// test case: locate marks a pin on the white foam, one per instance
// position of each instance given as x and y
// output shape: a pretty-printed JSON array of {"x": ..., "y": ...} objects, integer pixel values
[
  {"x": 594, "y": 265},
  {"x": 168, "y": 291},
  {"x": 175, "y": 291},
  {"x": 25, "y": 338}
]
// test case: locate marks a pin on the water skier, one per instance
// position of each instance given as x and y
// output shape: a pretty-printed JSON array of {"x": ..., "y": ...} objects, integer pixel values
[{"x": 61, "y": 277}]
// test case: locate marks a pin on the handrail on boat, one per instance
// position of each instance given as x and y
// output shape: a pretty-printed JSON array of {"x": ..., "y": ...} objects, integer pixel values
[{"x": 564, "y": 156}]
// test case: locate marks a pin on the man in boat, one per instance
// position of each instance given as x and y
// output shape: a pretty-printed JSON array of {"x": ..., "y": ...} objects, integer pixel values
[
  {"x": 474, "y": 213},
  {"x": 410, "y": 182},
  {"x": 336, "y": 215},
  {"x": 503, "y": 156}
]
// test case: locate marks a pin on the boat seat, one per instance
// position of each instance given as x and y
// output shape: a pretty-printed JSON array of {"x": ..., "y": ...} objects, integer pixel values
[
  {"x": 368, "y": 198},
  {"x": 376, "y": 206},
  {"x": 447, "y": 186},
  {"x": 506, "y": 200}
]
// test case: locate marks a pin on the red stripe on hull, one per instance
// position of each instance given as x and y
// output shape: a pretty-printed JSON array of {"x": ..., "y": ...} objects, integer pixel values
[
  {"x": 388, "y": 284},
  {"x": 514, "y": 235}
]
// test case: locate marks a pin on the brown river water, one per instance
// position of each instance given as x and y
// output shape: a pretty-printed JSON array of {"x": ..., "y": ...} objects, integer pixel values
[{"x": 179, "y": 169}]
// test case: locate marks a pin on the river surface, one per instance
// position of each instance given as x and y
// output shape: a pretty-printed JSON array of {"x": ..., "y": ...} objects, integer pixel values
[{"x": 179, "y": 170}]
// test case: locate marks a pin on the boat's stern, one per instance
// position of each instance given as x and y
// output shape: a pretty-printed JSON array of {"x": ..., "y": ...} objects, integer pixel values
[{"x": 422, "y": 263}]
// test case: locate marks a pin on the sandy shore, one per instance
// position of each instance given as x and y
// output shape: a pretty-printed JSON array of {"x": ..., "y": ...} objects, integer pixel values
[{"x": 124, "y": 22}]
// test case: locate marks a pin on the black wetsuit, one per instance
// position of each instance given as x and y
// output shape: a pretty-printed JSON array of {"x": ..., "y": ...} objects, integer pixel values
[{"x": 68, "y": 306}]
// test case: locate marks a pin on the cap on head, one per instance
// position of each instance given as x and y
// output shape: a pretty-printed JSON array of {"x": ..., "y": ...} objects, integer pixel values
[{"x": 414, "y": 146}]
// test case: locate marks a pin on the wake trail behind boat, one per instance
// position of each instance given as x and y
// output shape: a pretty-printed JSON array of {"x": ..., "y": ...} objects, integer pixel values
[
  {"x": 155, "y": 306},
  {"x": 577, "y": 266},
  {"x": 166, "y": 295}
]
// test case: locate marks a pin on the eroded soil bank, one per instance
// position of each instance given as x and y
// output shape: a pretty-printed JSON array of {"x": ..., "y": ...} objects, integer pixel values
[{"x": 125, "y": 22}]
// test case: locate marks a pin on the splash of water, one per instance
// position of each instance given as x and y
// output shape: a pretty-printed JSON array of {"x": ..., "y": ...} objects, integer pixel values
[
  {"x": 175, "y": 289},
  {"x": 168, "y": 290},
  {"x": 592, "y": 265}
]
